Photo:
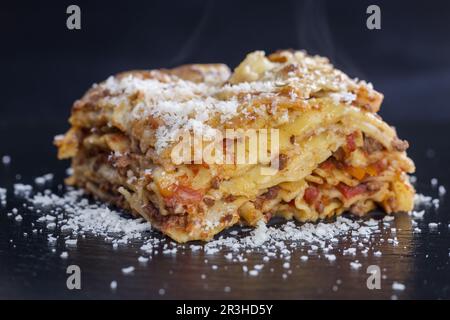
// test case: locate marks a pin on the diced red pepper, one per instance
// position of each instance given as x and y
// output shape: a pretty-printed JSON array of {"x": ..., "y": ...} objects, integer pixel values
[
  {"x": 327, "y": 165},
  {"x": 350, "y": 192},
  {"x": 310, "y": 195},
  {"x": 184, "y": 195}
]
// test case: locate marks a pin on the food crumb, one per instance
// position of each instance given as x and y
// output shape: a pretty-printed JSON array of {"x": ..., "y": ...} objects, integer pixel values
[
  {"x": 398, "y": 286},
  {"x": 434, "y": 182},
  {"x": 330, "y": 257},
  {"x": 128, "y": 270},
  {"x": 253, "y": 273},
  {"x": 71, "y": 242},
  {"x": 6, "y": 159},
  {"x": 113, "y": 285},
  {"x": 355, "y": 265},
  {"x": 432, "y": 225}
]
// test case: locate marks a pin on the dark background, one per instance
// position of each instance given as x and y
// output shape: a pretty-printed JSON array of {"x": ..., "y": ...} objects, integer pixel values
[{"x": 45, "y": 66}]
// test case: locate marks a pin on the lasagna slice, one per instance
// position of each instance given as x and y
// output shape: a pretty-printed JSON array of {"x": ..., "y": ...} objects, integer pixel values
[{"x": 333, "y": 152}]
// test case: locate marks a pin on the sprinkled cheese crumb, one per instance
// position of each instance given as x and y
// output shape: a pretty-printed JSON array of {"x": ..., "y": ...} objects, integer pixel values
[
  {"x": 355, "y": 265},
  {"x": 330, "y": 257},
  {"x": 343, "y": 97},
  {"x": 349, "y": 251},
  {"x": 377, "y": 253},
  {"x": 22, "y": 190},
  {"x": 6, "y": 159},
  {"x": 71, "y": 242},
  {"x": 142, "y": 259},
  {"x": 420, "y": 199},
  {"x": 398, "y": 286},
  {"x": 51, "y": 225},
  {"x": 3, "y": 194},
  {"x": 113, "y": 285},
  {"x": 81, "y": 216},
  {"x": 418, "y": 214},
  {"x": 64, "y": 255},
  {"x": 128, "y": 270},
  {"x": 253, "y": 273},
  {"x": 44, "y": 179}
]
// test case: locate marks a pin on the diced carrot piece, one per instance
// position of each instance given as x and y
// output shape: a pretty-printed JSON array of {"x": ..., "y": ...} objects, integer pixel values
[
  {"x": 357, "y": 172},
  {"x": 372, "y": 170}
]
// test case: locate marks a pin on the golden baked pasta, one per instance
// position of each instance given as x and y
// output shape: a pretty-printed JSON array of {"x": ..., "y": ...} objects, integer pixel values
[{"x": 333, "y": 152}]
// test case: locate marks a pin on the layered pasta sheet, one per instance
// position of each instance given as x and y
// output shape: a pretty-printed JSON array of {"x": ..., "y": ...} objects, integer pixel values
[{"x": 324, "y": 150}]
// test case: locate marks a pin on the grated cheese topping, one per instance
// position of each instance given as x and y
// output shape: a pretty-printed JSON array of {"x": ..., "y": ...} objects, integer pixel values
[{"x": 181, "y": 105}]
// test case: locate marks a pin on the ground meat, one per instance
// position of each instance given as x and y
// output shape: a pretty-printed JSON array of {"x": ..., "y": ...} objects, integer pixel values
[
  {"x": 374, "y": 185},
  {"x": 209, "y": 201},
  {"x": 150, "y": 210},
  {"x": 123, "y": 161},
  {"x": 319, "y": 206},
  {"x": 283, "y": 160},
  {"x": 399, "y": 145},
  {"x": 258, "y": 203},
  {"x": 339, "y": 155},
  {"x": 271, "y": 193},
  {"x": 292, "y": 139},
  {"x": 371, "y": 145},
  {"x": 268, "y": 216},
  {"x": 227, "y": 218},
  {"x": 230, "y": 198},
  {"x": 215, "y": 183}
]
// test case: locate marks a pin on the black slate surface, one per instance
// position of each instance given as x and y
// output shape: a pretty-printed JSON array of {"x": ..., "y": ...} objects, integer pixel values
[{"x": 29, "y": 268}]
